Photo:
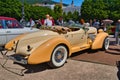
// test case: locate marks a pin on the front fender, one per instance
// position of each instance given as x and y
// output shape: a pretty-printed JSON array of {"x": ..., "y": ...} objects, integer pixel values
[
  {"x": 99, "y": 40},
  {"x": 43, "y": 52},
  {"x": 11, "y": 43}
]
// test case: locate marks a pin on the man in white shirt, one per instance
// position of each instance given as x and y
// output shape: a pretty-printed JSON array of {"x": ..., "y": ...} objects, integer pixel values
[{"x": 32, "y": 23}]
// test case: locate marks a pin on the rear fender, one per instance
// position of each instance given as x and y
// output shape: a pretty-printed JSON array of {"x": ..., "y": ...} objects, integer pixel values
[
  {"x": 99, "y": 40},
  {"x": 43, "y": 52}
]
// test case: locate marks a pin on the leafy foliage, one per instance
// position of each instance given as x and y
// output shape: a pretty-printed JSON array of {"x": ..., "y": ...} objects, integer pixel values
[
  {"x": 100, "y": 9},
  {"x": 58, "y": 9},
  {"x": 13, "y": 8},
  {"x": 8, "y": 9}
]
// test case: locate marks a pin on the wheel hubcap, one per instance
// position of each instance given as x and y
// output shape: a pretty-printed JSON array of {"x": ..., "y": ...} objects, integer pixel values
[{"x": 59, "y": 56}]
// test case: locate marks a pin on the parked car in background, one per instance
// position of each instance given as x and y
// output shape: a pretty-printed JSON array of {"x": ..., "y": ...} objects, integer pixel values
[
  {"x": 55, "y": 44},
  {"x": 10, "y": 28}
]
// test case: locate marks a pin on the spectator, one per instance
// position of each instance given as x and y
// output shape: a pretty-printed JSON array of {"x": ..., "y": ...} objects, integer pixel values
[
  {"x": 117, "y": 30},
  {"x": 38, "y": 24},
  {"x": 60, "y": 21},
  {"x": 90, "y": 22},
  {"x": 32, "y": 23},
  {"x": 42, "y": 21},
  {"x": 82, "y": 21},
  {"x": 47, "y": 21},
  {"x": 96, "y": 24},
  {"x": 53, "y": 22},
  {"x": 23, "y": 22},
  {"x": 102, "y": 25}
]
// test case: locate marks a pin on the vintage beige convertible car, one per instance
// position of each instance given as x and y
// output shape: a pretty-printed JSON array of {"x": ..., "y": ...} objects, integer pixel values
[{"x": 54, "y": 45}]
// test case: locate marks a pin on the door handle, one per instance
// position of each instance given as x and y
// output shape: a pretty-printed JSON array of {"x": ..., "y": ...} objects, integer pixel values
[{"x": 8, "y": 32}]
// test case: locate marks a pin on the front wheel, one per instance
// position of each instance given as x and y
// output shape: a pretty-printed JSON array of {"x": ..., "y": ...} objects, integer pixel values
[
  {"x": 58, "y": 56},
  {"x": 106, "y": 44}
]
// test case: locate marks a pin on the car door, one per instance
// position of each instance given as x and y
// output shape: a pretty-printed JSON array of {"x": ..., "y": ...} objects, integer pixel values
[
  {"x": 2, "y": 34},
  {"x": 77, "y": 37}
]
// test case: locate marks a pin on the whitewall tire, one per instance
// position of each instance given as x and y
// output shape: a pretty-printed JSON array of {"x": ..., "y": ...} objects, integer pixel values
[
  {"x": 106, "y": 44},
  {"x": 59, "y": 56}
]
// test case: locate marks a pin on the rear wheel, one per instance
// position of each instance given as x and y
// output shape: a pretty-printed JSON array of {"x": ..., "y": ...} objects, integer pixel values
[
  {"x": 106, "y": 44},
  {"x": 58, "y": 57}
]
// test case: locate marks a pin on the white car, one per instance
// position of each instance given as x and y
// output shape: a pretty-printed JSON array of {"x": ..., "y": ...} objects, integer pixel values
[{"x": 10, "y": 28}]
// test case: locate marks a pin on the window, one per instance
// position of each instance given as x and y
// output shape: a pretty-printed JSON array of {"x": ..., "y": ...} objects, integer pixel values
[
  {"x": 8, "y": 23},
  {"x": 12, "y": 24},
  {"x": 16, "y": 24}
]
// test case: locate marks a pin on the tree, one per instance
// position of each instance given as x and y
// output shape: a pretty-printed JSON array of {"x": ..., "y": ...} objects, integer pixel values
[
  {"x": 37, "y": 12},
  {"x": 10, "y": 8},
  {"x": 64, "y": 16},
  {"x": 95, "y": 9},
  {"x": 58, "y": 10},
  {"x": 13, "y": 8},
  {"x": 69, "y": 16},
  {"x": 100, "y": 9},
  {"x": 76, "y": 16}
]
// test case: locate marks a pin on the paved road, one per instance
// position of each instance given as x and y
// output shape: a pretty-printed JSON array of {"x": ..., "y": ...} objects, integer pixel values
[
  {"x": 72, "y": 70},
  {"x": 109, "y": 57}
]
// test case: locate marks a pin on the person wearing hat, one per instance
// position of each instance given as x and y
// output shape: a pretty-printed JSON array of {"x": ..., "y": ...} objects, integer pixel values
[
  {"x": 117, "y": 31},
  {"x": 47, "y": 21}
]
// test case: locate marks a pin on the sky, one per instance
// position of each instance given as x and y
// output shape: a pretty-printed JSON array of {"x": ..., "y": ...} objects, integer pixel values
[{"x": 76, "y": 2}]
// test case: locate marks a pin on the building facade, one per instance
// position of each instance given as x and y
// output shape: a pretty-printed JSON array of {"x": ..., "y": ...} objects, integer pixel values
[{"x": 66, "y": 8}]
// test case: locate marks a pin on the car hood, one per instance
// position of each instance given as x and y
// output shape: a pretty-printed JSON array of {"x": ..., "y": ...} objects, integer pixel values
[
  {"x": 34, "y": 40},
  {"x": 40, "y": 33}
]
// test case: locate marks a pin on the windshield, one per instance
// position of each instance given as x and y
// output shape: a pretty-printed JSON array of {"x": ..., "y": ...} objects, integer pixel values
[{"x": 73, "y": 25}]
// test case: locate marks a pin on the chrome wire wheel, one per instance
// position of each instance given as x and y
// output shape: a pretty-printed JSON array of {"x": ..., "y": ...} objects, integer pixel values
[{"x": 59, "y": 56}]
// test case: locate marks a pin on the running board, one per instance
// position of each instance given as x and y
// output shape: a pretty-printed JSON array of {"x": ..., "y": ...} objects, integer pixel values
[{"x": 80, "y": 48}]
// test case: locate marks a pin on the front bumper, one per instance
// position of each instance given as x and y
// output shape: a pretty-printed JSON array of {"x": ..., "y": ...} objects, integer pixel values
[{"x": 17, "y": 58}]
